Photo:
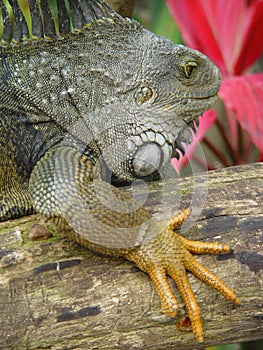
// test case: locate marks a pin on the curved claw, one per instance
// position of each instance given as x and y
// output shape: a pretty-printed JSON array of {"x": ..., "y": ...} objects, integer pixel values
[{"x": 170, "y": 253}]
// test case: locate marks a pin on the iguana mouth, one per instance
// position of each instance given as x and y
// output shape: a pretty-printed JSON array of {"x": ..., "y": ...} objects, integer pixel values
[{"x": 195, "y": 105}]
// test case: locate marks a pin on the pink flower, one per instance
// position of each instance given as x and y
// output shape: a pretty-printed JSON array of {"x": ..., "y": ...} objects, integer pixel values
[{"x": 230, "y": 34}]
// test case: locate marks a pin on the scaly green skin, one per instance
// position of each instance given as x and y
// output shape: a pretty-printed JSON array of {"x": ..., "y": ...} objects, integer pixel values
[{"x": 103, "y": 106}]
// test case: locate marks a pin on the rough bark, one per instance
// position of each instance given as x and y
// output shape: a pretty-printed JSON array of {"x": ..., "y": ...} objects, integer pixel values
[{"x": 98, "y": 302}]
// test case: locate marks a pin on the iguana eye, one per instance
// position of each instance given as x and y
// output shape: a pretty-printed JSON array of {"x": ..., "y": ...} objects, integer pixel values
[
  {"x": 189, "y": 68},
  {"x": 143, "y": 95}
]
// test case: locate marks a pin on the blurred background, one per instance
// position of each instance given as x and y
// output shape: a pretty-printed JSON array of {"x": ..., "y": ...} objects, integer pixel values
[{"x": 230, "y": 33}]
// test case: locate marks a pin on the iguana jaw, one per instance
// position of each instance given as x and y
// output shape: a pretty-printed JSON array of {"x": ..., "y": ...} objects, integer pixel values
[
  {"x": 151, "y": 150},
  {"x": 153, "y": 154}
]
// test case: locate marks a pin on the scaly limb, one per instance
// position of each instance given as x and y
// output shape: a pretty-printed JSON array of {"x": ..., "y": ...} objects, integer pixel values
[
  {"x": 170, "y": 253},
  {"x": 162, "y": 251}
]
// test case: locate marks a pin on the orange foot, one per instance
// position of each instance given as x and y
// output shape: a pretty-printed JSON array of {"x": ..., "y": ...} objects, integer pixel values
[{"x": 170, "y": 253}]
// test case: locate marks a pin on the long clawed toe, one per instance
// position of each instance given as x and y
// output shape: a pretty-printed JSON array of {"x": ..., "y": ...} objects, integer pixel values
[
  {"x": 189, "y": 300},
  {"x": 168, "y": 301},
  {"x": 170, "y": 254}
]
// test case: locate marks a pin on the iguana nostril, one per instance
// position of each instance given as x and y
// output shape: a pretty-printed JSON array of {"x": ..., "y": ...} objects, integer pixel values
[{"x": 147, "y": 159}]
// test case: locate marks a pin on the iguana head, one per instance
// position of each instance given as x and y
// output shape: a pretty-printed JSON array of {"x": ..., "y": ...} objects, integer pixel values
[
  {"x": 178, "y": 86},
  {"x": 160, "y": 90}
]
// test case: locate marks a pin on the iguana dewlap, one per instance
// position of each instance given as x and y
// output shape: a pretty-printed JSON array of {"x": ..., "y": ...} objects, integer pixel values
[{"x": 91, "y": 101}]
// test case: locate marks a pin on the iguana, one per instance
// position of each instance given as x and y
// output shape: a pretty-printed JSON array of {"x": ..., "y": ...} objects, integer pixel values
[{"x": 91, "y": 101}]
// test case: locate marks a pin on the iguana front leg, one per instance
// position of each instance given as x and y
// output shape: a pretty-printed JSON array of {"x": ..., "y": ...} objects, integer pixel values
[{"x": 105, "y": 219}]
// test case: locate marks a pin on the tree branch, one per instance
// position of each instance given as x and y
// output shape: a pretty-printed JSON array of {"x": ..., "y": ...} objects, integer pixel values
[{"x": 55, "y": 294}]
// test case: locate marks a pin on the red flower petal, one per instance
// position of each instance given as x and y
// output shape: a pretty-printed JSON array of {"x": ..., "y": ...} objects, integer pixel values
[
  {"x": 230, "y": 21},
  {"x": 252, "y": 46},
  {"x": 197, "y": 22},
  {"x": 229, "y": 32},
  {"x": 244, "y": 96}
]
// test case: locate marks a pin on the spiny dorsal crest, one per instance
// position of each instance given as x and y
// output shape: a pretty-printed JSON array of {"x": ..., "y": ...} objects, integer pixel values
[{"x": 21, "y": 20}]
